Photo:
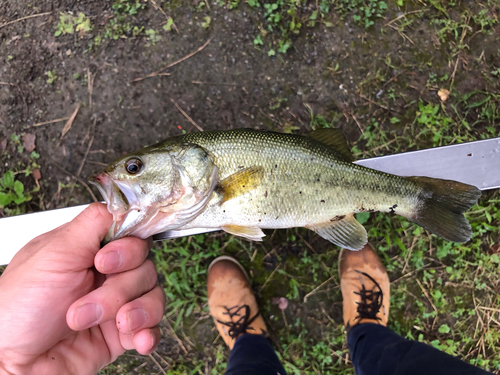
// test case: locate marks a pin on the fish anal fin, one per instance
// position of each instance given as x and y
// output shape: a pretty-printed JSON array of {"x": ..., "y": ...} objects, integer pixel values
[
  {"x": 241, "y": 182},
  {"x": 347, "y": 232},
  {"x": 335, "y": 139},
  {"x": 250, "y": 233}
]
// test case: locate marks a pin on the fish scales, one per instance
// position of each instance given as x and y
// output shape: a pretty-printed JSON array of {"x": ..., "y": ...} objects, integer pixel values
[
  {"x": 305, "y": 182},
  {"x": 246, "y": 180}
]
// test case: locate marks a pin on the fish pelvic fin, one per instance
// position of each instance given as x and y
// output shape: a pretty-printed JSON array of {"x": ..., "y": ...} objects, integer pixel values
[
  {"x": 442, "y": 204},
  {"x": 347, "y": 232},
  {"x": 250, "y": 233},
  {"x": 241, "y": 182},
  {"x": 335, "y": 139}
]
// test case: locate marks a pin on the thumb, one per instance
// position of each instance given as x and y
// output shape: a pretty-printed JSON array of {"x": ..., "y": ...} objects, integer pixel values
[
  {"x": 71, "y": 246},
  {"x": 89, "y": 228}
]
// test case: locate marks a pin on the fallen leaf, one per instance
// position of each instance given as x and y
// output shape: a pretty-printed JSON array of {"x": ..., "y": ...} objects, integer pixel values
[
  {"x": 29, "y": 141},
  {"x": 443, "y": 94},
  {"x": 495, "y": 249},
  {"x": 3, "y": 144}
]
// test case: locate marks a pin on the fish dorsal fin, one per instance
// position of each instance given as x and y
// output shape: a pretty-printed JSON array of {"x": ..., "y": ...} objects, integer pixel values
[
  {"x": 335, "y": 139},
  {"x": 254, "y": 234},
  {"x": 347, "y": 232},
  {"x": 241, "y": 182}
]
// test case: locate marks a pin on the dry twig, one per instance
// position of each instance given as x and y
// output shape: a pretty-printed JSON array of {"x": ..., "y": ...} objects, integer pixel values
[
  {"x": 176, "y": 337},
  {"x": 404, "y": 15},
  {"x": 430, "y": 301},
  {"x": 157, "y": 73},
  {"x": 85, "y": 156},
  {"x": 367, "y": 99},
  {"x": 157, "y": 364},
  {"x": 348, "y": 113},
  {"x": 409, "y": 254},
  {"x": 69, "y": 123},
  {"x": 90, "y": 85},
  {"x": 316, "y": 289},
  {"x": 270, "y": 276},
  {"x": 186, "y": 115},
  {"x": 75, "y": 177},
  {"x": 401, "y": 33},
  {"x": 25, "y": 18},
  {"x": 50, "y": 122},
  {"x": 215, "y": 84},
  {"x": 270, "y": 118},
  {"x": 157, "y": 7},
  {"x": 454, "y": 72}
]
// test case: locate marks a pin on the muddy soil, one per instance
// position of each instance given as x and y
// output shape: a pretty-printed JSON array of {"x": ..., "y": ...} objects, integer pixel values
[{"x": 345, "y": 73}]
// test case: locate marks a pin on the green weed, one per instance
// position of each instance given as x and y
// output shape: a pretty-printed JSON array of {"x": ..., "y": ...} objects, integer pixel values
[
  {"x": 363, "y": 12},
  {"x": 120, "y": 25},
  {"x": 153, "y": 36},
  {"x": 127, "y": 7},
  {"x": 51, "y": 77},
  {"x": 206, "y": 23},
  {"x": 168, "y": 25},
  {"x": 69, "y": 24},
  {"x": 12, "y": 190},
  {"x": 459, "y": 31},
  {"x": 14, "y": 193}
]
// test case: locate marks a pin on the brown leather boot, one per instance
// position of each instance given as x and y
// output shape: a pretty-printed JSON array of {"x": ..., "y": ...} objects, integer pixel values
[
  {"x": 365, "y": 287},
  {"x": 231, "y": 301}
]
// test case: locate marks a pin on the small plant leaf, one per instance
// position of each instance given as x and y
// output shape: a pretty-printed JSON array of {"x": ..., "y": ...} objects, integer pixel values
[
  {"x": 5, "y": 199},
  {"x": 8, "y": 179}
]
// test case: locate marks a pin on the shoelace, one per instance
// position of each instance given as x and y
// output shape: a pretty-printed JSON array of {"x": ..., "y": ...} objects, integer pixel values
[
  {"x": 242, "y": 324},
  {"x": 371, "y": 300}
]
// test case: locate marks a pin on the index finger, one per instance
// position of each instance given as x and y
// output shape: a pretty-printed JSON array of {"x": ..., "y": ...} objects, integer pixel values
[{"x": 122, "y": 255}]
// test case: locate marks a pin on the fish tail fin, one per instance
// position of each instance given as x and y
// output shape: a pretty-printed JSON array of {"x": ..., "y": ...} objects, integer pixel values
[{"x": 441, "y": 206}]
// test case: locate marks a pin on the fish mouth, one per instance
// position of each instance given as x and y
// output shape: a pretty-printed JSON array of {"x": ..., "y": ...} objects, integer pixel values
[
  {"x": 115, "y": 197},
  {"x": 121, "y": 200},
  {"x": 135, "y": 214}
]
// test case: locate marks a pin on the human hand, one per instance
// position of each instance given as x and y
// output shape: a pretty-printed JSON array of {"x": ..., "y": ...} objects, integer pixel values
[{"x": 69, "y": 307}]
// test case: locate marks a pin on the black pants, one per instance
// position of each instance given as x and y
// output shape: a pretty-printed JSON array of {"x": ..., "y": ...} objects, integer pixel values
[{"x": 375, "y": 350}]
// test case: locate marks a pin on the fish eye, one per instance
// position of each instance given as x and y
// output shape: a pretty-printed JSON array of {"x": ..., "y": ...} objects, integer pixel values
[{"x": 133, "y": 166}]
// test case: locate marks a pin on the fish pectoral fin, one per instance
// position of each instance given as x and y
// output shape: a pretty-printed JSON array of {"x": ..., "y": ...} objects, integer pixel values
[
  {"x": 241, "y": 182},
  {"x": 347, "y": 233},
  {"x": 254, "y": 234},
  {"x": 334, "y": 138}
]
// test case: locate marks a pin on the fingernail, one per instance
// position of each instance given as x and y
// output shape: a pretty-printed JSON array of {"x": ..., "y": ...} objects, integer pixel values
[
  {"x": 87, "y": 315},
  {"x": 136, "y": 318},
  {"x": 111, "y": 262},
  {"x": 153, "y": 339}
]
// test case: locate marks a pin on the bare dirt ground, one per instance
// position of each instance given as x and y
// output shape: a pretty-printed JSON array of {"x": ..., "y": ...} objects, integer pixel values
[
  {"x": 228, "y": 84},
  {"x": 130, "y": 88}
]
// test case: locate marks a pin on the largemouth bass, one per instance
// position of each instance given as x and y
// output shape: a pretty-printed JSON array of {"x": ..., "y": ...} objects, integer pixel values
[{"x": 246, "y": 180}]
